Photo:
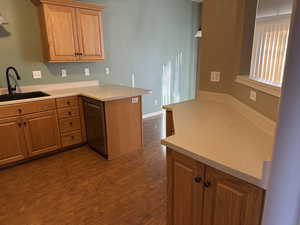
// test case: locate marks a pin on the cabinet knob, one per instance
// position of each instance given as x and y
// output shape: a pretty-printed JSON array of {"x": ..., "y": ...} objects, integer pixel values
[
  {"x": 20, "y": 124},
  {"x": 20, "y": 110},
  {"x": 72, "y": 137},
  {"x": 25, "y": 123},
  {"x": 71, "y": 123},
  {"x": 69, "y": 113},
  {"x": 207, "y": 184},
  {"x": 198, "y": 179},
  {"x": 68, "y": 102}
]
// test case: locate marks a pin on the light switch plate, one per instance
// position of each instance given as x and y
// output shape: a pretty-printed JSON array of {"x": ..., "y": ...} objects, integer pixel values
[
  {"x": 87, "y": 72},
  {"x": 215, "y": 76},
  {"x": 134, "y": 100},
  {"x": 252, "y": 95},
  {"x": 63, "y": 73},
  {"x": 36, "y": 74}
]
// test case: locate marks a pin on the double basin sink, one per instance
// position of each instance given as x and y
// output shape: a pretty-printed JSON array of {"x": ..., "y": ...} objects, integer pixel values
[{"x": 19, "y": 96}]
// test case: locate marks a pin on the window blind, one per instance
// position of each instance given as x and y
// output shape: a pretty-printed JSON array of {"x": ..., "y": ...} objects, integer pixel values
[{"x": 269, "y": 49}]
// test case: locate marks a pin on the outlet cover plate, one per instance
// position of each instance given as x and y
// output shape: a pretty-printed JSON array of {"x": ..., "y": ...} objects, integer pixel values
[
  {"x": 36, "y": 74},
  {"x": 252, "y": 95}
]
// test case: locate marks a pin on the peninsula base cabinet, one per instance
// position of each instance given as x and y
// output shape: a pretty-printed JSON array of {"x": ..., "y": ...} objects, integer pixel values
[{"x": 201, "y": 195}]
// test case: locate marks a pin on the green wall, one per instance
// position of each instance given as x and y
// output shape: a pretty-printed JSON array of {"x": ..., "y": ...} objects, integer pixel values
[{"x": 139, "y": 35}]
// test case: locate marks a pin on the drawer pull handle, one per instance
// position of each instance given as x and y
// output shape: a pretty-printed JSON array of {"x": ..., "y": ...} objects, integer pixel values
[
  {"x": 207, "y": 184},
  {"x": 198, "y": 179}
]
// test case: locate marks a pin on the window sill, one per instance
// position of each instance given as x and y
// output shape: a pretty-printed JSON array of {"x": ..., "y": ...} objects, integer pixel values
[{"x": 264, "y": 87}]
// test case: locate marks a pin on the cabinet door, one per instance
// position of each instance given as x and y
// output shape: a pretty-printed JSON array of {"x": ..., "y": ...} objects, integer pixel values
[
  {"x": 61, "y": 33},
  {"x": 41, "y": 132},
  {"x": 230, "y": 201},
  {"x": 12, "y": 141},
  {"x": 185, "y": 190},
  {"x": 90, "y": 35}
]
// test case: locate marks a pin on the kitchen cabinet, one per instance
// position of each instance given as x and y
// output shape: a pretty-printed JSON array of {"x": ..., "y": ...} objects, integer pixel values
[
  {"x": 34, "y": 128},
  {"x": 71, "y": 31},
  {"x": 41, "y": 132},
  {"x": 230, "y": 201},
  {"x": 185, "y": 191},
  {"x": 12, "y": 141},
  {"x": 124, "y": 126},
  {"x": 201, "y": 195},
  {"x": 71, "y": 123},
  {"x": 169, "y": 124}
]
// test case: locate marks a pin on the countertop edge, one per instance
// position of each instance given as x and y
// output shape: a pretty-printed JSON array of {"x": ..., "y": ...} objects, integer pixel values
[
  {"x": 51, "y": 96},
  {"x": 262, "y": 183}
]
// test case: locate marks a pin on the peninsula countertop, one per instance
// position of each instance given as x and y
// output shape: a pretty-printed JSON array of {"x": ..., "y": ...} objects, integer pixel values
[
  {"x": 98, "y": 92},
  {"x": 217, "y": 134}
]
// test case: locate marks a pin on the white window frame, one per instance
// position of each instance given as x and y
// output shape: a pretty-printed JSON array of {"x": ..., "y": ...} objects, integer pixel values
[
  {"x": 261, "y": 85},
  {"x": 270, "y": 89}
]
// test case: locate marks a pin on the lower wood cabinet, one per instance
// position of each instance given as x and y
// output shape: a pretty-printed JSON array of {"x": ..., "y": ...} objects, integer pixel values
[
  {"x": 41, "y": 132},
  {"x": 201, "y": 195},
  {"x": 13, "y": 147}
]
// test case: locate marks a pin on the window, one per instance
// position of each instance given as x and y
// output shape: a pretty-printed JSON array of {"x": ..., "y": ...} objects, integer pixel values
[{"x": 269, "y": 49}]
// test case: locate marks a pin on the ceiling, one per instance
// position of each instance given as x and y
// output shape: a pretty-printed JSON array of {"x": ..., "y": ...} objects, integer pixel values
[{"x": 274, "y": 7}]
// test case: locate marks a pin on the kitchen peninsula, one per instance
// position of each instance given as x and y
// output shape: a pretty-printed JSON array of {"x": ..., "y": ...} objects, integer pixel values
[
  {"x": 35, "y": 126},
  {"x": 219, "y": 155}
]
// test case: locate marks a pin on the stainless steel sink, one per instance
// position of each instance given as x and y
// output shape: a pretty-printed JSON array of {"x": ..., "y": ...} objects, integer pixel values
[{"x": 18, "y": 96}]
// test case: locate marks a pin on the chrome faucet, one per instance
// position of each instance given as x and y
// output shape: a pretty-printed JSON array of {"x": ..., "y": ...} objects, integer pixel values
[{"x": 10, "y": 88}]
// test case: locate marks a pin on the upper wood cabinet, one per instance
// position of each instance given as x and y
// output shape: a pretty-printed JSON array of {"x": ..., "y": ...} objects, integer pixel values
[{"x": 71, "y": 31}]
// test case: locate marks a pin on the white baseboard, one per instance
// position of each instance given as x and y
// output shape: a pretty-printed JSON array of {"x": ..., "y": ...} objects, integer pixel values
[{"x": 149, "y": 115}]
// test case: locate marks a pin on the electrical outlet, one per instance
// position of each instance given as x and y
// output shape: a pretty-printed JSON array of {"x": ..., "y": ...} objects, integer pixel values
[
  {"x": 36, "y": 74},
  {"x": 87, "y": 72},
  {"x": 155, "y": 102},
  {"x": 134, "y": 100},
  {"x": 215, "y": 76},
  {"x": 253, "y": 95},
  {"x": 107, "y": 70},
  {"x": 63, "y": 73}
]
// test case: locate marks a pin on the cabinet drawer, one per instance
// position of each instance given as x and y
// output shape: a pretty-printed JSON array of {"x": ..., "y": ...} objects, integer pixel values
[
  {"x": 38, "y": 106},
  {"x": 67, "y": 102},
  {"x": 9, "y": 110},
  {"x": 71, "y": 138},
  {"x": 27, "y": 108},
  {"x": 68, "y": 112},
  {"x": 69, "y": 124}
]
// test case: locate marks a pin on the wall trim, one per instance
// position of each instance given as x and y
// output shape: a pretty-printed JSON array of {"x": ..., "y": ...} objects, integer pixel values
[
  {"x": 55, "y": 86},
  {"x": 259, "y": 120},
  {"x": 149, "y": 115},
  {"x": 264, "y": 87}
]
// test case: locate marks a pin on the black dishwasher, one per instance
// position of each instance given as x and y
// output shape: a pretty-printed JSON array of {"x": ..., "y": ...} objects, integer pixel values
[{"x": 95, "y": 124}]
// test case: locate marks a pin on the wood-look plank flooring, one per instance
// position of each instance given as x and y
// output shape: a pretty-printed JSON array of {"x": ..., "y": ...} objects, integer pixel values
[{"x": 79, "y": 187}]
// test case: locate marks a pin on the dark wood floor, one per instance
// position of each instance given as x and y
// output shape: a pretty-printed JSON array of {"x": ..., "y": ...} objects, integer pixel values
[{"x": 78, "y": 187}]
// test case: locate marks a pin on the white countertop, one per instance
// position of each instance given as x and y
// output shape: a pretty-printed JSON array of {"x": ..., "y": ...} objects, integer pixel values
[
  {"x": 99, "y": 92},
  {"x": 216, "y": 134}
]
